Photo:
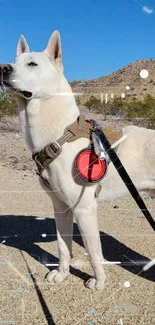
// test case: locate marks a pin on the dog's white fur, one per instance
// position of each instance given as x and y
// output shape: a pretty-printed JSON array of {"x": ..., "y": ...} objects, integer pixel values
[{"x": 43, "y": 119}]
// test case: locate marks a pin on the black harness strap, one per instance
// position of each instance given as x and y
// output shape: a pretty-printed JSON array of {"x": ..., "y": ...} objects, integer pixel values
[{"x": 124, "y": 175}]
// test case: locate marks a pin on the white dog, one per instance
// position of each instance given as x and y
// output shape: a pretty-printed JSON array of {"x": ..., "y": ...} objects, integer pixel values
[{"x": 46, "y": 106}]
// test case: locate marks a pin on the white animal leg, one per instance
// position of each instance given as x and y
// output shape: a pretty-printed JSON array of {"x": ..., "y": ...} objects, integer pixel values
[
  {"x": 64, "y": 225},
  {"x": 86, "y": 219}
]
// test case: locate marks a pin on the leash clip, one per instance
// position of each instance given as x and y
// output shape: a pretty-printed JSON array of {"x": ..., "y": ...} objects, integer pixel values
[{"x": 98, "y": 148}]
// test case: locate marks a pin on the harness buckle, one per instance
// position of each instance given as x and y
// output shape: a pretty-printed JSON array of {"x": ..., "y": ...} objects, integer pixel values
[
  {"x": 53, "y": 150},
  {"x": 35, "y": 157},
  {"x": 55, "y": 146}
]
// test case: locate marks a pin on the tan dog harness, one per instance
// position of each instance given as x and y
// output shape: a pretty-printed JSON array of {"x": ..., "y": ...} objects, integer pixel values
[{"x": 81, "y": 128}]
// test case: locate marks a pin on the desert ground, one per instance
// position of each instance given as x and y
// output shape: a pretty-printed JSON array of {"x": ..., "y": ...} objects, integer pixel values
[{"x": 28, "y": 245}]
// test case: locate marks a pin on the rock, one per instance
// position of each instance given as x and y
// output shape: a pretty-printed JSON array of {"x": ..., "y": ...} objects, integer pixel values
[
  {"x": 116, "y": 207},
  {"x": 17, "y": 136}
]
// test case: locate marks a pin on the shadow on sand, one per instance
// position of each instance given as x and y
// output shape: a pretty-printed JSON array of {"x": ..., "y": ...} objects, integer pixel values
[
  {"x": 24, "y": 232},
  {"x": 29, "y": 230}
]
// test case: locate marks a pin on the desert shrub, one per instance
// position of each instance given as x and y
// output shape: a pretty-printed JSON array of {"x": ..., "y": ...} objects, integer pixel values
[
  {"x": 95, "y": 104},
  {"x": 129, "y": 108},
  {"x": 144, "y": 109},
  {"x": 78, "y": 100},
  {"x": 116, "y": 106},
  {"x": 8, "y": 105}
]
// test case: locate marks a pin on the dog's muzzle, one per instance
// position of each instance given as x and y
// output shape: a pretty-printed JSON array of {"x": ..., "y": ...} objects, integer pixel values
[{"x": 5, "y": 71}]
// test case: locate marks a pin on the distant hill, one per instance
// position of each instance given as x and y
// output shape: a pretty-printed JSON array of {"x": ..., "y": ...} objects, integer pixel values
[{"x": 117, "y": 81}]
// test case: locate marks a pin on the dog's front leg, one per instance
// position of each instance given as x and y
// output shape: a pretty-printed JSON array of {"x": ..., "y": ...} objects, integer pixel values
[
  {"x": 64, "y": 225},
  {"x": 86, "y": 219}
]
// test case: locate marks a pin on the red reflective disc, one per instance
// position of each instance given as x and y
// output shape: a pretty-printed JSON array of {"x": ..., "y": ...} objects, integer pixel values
[{"x": 89, "y": 166}]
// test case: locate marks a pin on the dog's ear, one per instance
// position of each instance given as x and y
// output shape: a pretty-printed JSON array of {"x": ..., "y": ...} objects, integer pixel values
[
  {"x": 22, "y": 46},
  {"x": 53, "y": 49}
]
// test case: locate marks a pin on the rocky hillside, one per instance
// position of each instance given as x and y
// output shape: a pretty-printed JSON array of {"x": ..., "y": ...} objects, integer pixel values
[{"x": 117, "y": 81}]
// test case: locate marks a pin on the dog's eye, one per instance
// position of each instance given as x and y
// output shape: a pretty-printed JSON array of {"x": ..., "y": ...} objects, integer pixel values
[{"x": 32, "y": 64}]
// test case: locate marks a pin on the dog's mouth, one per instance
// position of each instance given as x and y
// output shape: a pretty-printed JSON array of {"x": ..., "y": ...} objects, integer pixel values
[
  {"x": 7, "y": 87},
  {"x": 26, "y": 94}
]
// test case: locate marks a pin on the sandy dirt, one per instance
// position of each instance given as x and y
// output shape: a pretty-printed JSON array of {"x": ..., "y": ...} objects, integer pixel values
[{"x": 28, "y": 243}]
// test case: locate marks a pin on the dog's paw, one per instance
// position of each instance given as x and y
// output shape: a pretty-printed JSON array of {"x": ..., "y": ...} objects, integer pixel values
[
  {"x": 56, "y": 277},
  {"x": 92, "y": 283}
]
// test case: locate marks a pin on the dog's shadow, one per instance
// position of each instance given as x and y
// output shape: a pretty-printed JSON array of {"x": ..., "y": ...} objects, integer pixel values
[{"x": 24, "y": 232}]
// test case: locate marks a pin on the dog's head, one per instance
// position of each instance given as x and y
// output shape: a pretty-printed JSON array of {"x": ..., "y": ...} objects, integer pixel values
[{"x": 34, "y": 74}]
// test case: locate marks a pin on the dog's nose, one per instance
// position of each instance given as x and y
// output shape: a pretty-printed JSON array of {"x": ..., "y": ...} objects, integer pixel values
[{"x": 6, "y": 69}]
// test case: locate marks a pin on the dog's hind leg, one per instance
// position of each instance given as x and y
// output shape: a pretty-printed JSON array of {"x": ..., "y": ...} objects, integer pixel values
[
  {"x": 86, "y": 218},
  {"x": 64, "y": 225}
]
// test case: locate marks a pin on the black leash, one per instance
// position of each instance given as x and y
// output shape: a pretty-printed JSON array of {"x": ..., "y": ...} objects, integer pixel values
[{"x": 124, "y": 175}]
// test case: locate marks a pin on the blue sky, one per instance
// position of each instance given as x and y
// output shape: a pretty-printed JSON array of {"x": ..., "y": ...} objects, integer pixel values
[{"x": 98, "y": 36}]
